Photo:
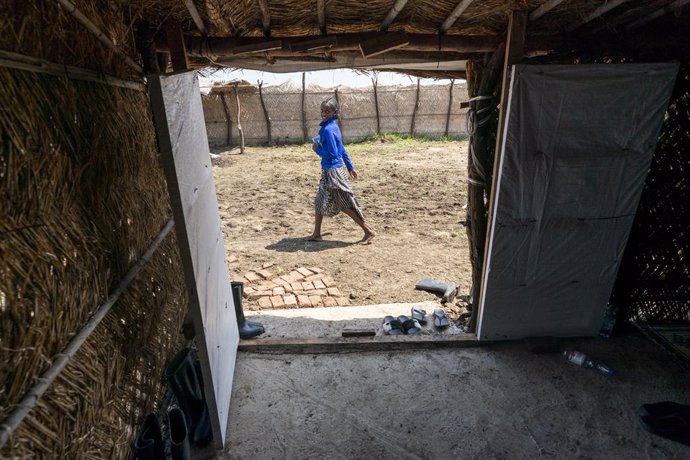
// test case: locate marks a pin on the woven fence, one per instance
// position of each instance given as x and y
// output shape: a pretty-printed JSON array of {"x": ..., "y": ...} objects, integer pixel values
[
  {"x": 654, "y": 281},
  {"x": 358, "y": 117}
]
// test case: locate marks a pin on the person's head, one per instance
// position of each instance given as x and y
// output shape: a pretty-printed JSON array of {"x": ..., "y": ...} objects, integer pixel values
[{"x": 329, "y": 108}]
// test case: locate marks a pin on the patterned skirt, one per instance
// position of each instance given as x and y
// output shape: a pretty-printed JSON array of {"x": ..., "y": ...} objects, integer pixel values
[{"x": 335, "y": 193}]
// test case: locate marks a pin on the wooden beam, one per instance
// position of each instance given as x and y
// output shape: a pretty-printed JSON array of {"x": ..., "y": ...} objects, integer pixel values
[
  {"x": 269, "y": 139},
  {"x": 259, "y": 47},
  {"x": 414, "y": 111},
  {"x": 147, "y": 47},
  {"x": 657, "y": 14},
  {"x": 545, "y": 8},
  {"x": 603, "y": 9},
  {"x": 196, "y": 17},
  {"x": 374, "y": 82},
  {"x": 178, "y": 53},
  {"x": 314, "y": 43},
  {"x": 304, "y": 112},
  {"x": 311, "y": 345},
  {"x": 382, "y": 44},
  {"x": 221, "y": 47},
  {"x": 450, "y": 105},
  {"x": 392, "y": 14},
  {"x": 454, "y": 15},
  {"x": 265, "y": 17},
  {"x": 321, "y": 12},
  {"x": 514, "y": 49},
  {"x": 239, "y": 124}
]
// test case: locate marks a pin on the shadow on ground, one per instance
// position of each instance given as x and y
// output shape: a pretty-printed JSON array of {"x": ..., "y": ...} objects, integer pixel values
[{"x": 301, "y": 244}]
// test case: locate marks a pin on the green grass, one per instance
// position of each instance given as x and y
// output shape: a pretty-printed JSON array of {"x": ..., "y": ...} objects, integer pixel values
[{"x": 403, "y": 140}]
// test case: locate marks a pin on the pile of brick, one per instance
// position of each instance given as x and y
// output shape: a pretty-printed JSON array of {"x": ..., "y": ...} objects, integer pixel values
[{"x": 301, "y": 288}]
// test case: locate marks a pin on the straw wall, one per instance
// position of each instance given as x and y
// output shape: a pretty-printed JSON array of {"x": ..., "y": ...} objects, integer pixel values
[
  {"x": 357, "y": 107},
  {"x": 82, "y": 195}
]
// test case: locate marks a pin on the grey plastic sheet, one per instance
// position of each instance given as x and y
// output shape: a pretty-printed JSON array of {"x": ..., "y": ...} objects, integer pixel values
[{"x": 578, "y": 142}]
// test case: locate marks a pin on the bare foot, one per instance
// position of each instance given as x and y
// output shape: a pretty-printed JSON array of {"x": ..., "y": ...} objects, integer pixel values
[
  {"x": 314, "y": 238},
  {"x": 368, "y": 236}
]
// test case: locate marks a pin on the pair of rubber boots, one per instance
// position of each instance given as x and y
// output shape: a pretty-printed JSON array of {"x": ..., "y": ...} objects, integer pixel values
[
  {"x": 448, "y": 291},
  {"x": 248, "y": 329},
  {"x": 149, "y": 444},
  {"x": 183, "y": 376}
]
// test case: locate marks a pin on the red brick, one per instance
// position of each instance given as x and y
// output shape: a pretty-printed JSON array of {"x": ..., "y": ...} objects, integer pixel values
[
  {"x": 251, "y": 276},
  {"x": 304, "y": 271},
  {"x": 328, "y": 281},
  {"x": 280, "y": 290},
  {"x": 316, "y": 300},
  {"x": 259, "y": 294},
  {"x": 329, "y": 302},
  {"x": 313, "y": 277},
  {"x": 267, "y": 285},
  {"x": 334, "y": 291},
  {"x": 343, "y": 301},
  {"x": 296, "y": 287},
  {"x": 265, "y": 274},
  {"x": 246, "y": 291},
  {"x": 268, "y": 264},
  {"x": 307, "y": 286},
  {"x": 295, "y": 275},
  {"x": 290, "y": 301},
  {"x": 318, "y": 292},
  {"x": 281, "y": 282},
  {"x": 265, "y": 302},
  {"x": 303, "y": 301},
  {"x": 316, "y": 269},
  {"x": 277, "y": 301},
  {"x": 318, "y": 284}
]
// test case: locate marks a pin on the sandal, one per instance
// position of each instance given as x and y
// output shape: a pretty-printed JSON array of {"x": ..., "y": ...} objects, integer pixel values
[
  {"x": 419, "y": 315},
  {"x": 392, "y": 326},
  {"x": 410, "y": 326},
  {"x": 440, "y": 318}
]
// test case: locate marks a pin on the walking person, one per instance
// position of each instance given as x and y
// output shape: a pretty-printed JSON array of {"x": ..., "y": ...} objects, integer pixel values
[{"x": 335, "y": 192}]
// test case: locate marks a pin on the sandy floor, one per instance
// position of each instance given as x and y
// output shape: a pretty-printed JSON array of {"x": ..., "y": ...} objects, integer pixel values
[{"x": 414, "y": 196}]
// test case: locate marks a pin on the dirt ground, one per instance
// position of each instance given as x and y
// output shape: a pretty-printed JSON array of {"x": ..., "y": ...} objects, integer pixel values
[{"x": 413, "y": 193}]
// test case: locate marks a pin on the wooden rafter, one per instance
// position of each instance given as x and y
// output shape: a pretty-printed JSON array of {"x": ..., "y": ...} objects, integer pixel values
[
  {"x": 196, "y": 17},
  {"x": 386, "y": 42},
  {"x": 658, "y": 13},
  {"x": 392, "y": 14},
  {"x": 454, "y": 15},
  {"x": 545, "y": 8},
  {"x": 321, "y": 11},
  {"x": 603, "y": 9},
  {"x": 265, "y": 17}
]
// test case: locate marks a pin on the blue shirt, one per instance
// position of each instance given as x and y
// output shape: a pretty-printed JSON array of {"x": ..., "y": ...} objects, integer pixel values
[{"x": 330, "y": 147}]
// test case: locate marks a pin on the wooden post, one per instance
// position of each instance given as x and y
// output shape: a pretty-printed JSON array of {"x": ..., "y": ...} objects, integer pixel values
[
  {"x": 340, "y": 118},
  {"x": 147, "y": 47},
  {"x": 304, "y": 114},
  {"x": 178, "y": 52},
  {"x": 239, "y": 124},
  {"x": 450, "y": 105},
  {"x": 374, "y": 81},
  {"x": 268, "y": 120},
  {"x": 414, "y": 112},
  {"x": 228, "y": 119},
  {"x": 514, "y": 48}
]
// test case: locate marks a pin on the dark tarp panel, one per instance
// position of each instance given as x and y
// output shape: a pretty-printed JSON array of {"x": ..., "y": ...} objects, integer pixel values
[{"x": 577, "y": 147}]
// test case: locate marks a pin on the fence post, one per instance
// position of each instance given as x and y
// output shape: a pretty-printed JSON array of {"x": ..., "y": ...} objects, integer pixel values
[
  {"x": 414, "y": 112},
  {"x": 227, "y": 118},
  {"x": 340, "y": 117},
  {"x": 239, "y": 124},
  {"x": 263, "y": 106},
  {"x": 374, "y": 80},
  {"x": 450, "y": 104},
  {"x": 304, "y": 115}
]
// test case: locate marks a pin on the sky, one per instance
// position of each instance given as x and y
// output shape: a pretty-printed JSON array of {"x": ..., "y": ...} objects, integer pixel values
[{"x": 324, "y": 78}]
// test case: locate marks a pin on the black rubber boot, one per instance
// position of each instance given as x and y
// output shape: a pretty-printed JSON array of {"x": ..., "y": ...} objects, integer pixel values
[
  {"x": 149, "y": 443},
  {"x": 186, "y": 385},
  {"x": 248, "y": 329},
  {"x": 448, "y": 291},
  {"x": 179, "y": 437}
]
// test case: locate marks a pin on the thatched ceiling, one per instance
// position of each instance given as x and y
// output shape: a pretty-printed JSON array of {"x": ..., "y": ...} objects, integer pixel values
[
  {"x": 274, "y": 34},
  {"x": 419, "y": 37}
]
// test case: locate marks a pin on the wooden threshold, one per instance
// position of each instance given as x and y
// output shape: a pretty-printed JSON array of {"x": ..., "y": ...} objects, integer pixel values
[{"x": 312, "y": 345}]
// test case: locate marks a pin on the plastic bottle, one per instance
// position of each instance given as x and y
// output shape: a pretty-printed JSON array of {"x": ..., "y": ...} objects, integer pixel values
[{"x": 580, "y": 359}]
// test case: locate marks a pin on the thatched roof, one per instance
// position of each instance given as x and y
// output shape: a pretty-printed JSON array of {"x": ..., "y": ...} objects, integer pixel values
[{"x": 418, "y": 37}]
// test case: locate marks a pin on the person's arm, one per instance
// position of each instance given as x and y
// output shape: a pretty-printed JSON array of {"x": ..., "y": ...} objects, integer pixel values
[{"x": 348, "y": 164}]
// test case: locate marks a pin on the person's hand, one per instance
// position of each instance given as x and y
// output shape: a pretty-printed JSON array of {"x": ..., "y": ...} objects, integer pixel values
[{"x": 353, "y": 174}]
